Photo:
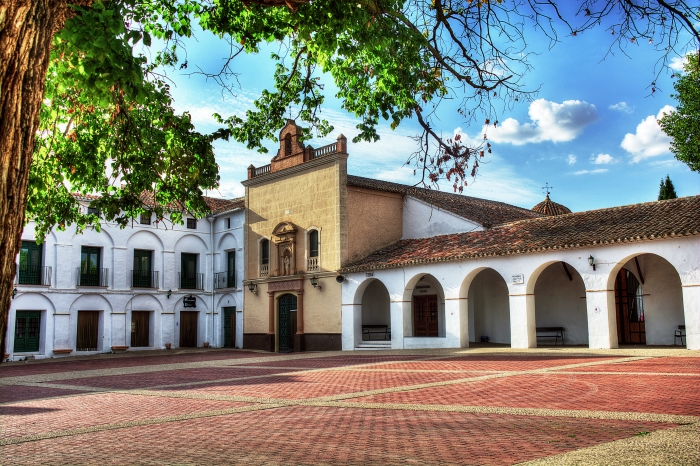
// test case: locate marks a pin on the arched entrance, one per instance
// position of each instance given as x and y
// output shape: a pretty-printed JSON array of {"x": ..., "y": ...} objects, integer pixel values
[
  {"x": 489, "y": 309},
  {"x": 427, "y": 308},
  {"x": 560, "y": 301},
  {"x": 286, "y": 305},
  {"x": 376, "y": 314},
  {"x": 648, "y": 300}
]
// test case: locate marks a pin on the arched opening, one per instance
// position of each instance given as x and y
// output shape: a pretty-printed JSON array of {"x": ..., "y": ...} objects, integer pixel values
[
  {"x": 560, "y": 302},
  {"x": 286, "y": 322},
  {"x": 427, "y": 308},
  {"x": 489, "y": 309},
  {"x": 376, "y": 315},
  {"x": 648, "y": 301}
]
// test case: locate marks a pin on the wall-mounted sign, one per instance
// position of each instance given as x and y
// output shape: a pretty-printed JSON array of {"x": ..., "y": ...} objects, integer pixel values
[
  {"x": 369, "y": 274},
  {"x": 517, "y": 279},
  {"x": 190, "y": 301}
]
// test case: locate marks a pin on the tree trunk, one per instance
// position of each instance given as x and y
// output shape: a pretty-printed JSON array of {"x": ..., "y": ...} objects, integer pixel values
[{"x": 26, "y": 30}]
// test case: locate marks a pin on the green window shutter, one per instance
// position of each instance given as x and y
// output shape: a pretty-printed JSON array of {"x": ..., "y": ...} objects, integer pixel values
[{"x": 27, "y": 330}]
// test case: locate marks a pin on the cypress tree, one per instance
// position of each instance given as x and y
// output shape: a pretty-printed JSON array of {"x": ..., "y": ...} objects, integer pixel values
[{"x": 666, "y": 189}]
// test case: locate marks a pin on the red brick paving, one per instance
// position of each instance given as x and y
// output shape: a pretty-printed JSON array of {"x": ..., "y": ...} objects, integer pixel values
[
  {"x": 89, "y": 410},
  {"x": 661, "y": 365},
  {"x": 44, "y": 366},
  {"x": 338, "y": 361},
  {"x": 491, "y": 363},
  {"x": 651, "y": 394},
  {"x": 12, "y": 393},
  {"x": 313, "y": 435}
]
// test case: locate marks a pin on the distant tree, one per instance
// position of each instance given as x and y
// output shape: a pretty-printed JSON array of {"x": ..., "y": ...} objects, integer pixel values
[
  {"x": 666, "y": 189},
  {"x": 683, "y": 125}
]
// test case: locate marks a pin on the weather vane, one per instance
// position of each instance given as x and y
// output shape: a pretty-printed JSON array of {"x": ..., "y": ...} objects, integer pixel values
[{"x": 547, "y": 188}]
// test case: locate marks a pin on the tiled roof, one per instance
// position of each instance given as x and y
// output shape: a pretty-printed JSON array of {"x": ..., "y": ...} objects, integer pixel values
[
  {"x": 549, "y": 207},
  {"x": 482, "y": 211},
  {"x": 631, "y": 223},
  {"x": 216, "y": 205}
]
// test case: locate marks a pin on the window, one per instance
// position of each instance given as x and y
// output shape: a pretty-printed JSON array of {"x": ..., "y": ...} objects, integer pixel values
[
  {"x": 189, "y": 278},
  {"x": 30, "y": 272},
  {"x": 313, "y": 243},
  {"x": 93, "y": 211},
  {"x": 27, "y": 325},
  {"x": 265, "y": 252},
  {"x": 228, "y": 223},
  {"x": 143, "y": 276},
  {"x": 231, "y": 269},
  {"x": 90, "y": 272},
  {"x": 192, "y": 223},
  {"x": 145, "y": 219}
]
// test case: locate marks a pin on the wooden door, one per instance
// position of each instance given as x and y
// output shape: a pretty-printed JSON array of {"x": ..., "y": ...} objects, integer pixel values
[
  {"x": 629, "y": 307},
  {"x": 425, "y": 316},
  {"x": 230, "y": 327},
  {"x": 286, "y": 304},
  {"x": 87, "y": 335},
  {"x": 188, "y": 329},
  {"x": 140, "y": 328},
  {"x": 27, "y": 329}
]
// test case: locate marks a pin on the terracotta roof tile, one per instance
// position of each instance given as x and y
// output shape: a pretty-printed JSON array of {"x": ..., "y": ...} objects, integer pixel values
[
  {"x": 549, "y": 207},
  {"x": 216, "y": 205},
  {"x": 638, "y": 222},
  {"x": 482, "y": 211}
]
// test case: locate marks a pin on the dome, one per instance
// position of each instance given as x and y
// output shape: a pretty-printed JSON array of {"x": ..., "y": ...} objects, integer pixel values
[{"x": 547, "y": 207}]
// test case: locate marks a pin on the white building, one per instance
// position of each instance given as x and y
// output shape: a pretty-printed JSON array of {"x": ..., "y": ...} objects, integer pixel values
[
  {"x": 142, "y": 287},
  {"x": 600, "y": 278}
]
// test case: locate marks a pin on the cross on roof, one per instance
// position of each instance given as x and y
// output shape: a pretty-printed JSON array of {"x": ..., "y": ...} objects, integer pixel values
[{"x": 547, "y": 188}]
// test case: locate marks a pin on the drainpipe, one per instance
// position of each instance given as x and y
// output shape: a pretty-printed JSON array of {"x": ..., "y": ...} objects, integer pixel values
[{"x": 211, "y": 244}]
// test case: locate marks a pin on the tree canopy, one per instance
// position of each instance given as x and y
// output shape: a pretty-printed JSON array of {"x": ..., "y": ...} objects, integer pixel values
[
  {"x": 666, "y": 189},
  {"x": 683, "y": 125}
]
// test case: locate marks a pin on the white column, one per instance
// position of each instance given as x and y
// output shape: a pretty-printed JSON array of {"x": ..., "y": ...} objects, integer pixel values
[
  {"x": 351, "y": 318},
  {"x": 602, "y": 322},
  {"x": 121, "y": 273},
  {"x": 691, "y": 309},
  {"x": 65, "y": 275},
  {"x": 119, "y": 328},
  {"x": 522, "y": 321},
  {"x": 169, "y": 271},
  {"x": 457, "y": 321},
  {"x": 397, "y": 310}
]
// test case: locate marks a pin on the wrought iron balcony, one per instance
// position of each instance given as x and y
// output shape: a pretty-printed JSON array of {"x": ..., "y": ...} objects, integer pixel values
[
  {"x": 34, "y": 275},
  {"x": 92, "y": 277},
  {"x": 191, "y": 281},
  {"x": 144, "y": 279},
  {"x": 225, "y": 279}
]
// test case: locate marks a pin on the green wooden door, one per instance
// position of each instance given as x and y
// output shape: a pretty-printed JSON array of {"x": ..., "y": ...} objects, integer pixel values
[
  {"x": 230, "y": 327},
  {"x": 286, "y": 304},
  {"x": 142, "y": 269},
  {"x": 30, "y": 261},
  {"x": 27, "y": 329},
  {"x": 90, "y": 266},
  {"x": 188, "y": 277},
  {"x": 231, "y": 270}
]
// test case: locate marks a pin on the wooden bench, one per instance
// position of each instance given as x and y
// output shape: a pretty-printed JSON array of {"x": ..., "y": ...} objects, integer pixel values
[
  {"x": 679, "y": 333},
  {"x": 551, "y": 332},
  {"x": 370, "y": 330}
]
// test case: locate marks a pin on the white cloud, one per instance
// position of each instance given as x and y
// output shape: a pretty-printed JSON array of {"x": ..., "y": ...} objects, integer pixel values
[
  {"x": 622, "y": 107},
  {"x": 591, "y": 172},
  {"x": 648, "y": 140},
  {"x": 551, "y": 121},
  {"x": 601, "y": 159},
  {"x": 677, "y": 63},
  {"x": 571, "y": 159}
]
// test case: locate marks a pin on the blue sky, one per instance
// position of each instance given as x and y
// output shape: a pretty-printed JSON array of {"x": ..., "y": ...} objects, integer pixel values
[{"x": 591, "y": 133}]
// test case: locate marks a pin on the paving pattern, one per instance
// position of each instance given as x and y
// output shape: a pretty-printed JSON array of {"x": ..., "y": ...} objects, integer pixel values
[{"x": 471, "y": 406}]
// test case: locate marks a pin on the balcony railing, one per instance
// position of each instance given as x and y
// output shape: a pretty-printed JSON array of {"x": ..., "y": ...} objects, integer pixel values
[
  {"x": 92, "y": 277},
  {"x": 264, "y": 270},
  {"x": 325, "y": 150},
  {"x": 312, "y": 264},
  {"x": 144, "y": 279},
  {"x": 191, "y": 281},
  {"x": 225, "y": 279},
  {"x": 34, "y": 275}
]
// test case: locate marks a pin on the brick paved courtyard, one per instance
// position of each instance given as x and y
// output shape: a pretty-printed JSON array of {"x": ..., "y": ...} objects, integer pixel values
[{"x": 474, "y": 406}]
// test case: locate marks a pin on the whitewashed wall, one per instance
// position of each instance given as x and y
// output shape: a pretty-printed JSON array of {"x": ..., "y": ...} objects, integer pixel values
[{"x": 422, "y": 220}]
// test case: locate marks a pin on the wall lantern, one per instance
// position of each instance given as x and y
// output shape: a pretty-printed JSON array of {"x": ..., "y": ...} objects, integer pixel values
[
  {"x": 14, "y": 293},
  {"x": 167, "y": 295},
  {"x": 314, "y": 283},
  {"x": 253, "y": 288},
  {"x": 591, "y": 262}
]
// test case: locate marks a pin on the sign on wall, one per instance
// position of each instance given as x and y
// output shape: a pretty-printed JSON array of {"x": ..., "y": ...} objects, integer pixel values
[
  {"x": 190, "y": 301},
  {"x": 517, "y": 279}
]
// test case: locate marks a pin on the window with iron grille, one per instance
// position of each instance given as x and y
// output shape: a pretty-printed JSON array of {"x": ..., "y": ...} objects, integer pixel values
[
  {"x": 192, "y": 223},
  {"x": 145, "y": 219}
]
